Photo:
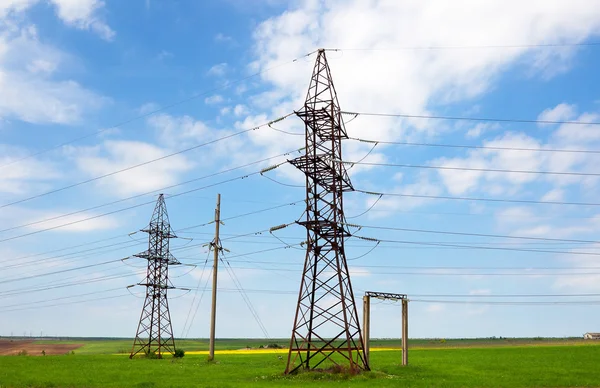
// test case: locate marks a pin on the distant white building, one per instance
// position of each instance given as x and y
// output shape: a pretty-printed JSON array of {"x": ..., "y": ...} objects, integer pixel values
[{"x": 592, "y": 336}]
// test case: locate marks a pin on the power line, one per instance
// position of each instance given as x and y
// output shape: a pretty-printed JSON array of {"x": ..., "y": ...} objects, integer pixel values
[
  {"x": 504, "y": 295},
  {"x": 446, "y": 274},
  {"x": 474, "y": 234},
  {"x": 143, "y": 164},
  {"x": 245, "y": 297},
  {"x": 571, "y": 173},
  {"x": 59, "y": 272},
  {"x": 129, "y": 208},
  {"x": 149, "y": 192},
  {"x": 478, "y": 199},
  {"x": 496, "y": 148},
  {"x": 27, "y": 290},
  {"x": 60, "y": 298},
  {"x": 439, "y": 268},
  {"x": 123, "y": 245},
  {"x": 512, "y": 303},
  {"x": 155, "y": 111},
  {"x": 475, "y": 47},
  {"x": 446, "y": 245},
  {"x": 458, "y": 118},
  {"x": 66, "y": 303}
]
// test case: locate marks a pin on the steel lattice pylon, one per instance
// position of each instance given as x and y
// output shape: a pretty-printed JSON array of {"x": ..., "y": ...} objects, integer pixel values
[
  {"x": 155, "y": 333},
  {"x": 326, "y": 327}
]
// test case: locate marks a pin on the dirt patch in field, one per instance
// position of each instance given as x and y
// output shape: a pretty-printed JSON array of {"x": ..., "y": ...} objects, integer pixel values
[{"x": 31, "y": 348}]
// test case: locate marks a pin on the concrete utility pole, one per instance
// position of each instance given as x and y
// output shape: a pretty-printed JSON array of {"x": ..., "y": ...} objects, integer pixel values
[
  {"x": 367, "y": 325},
  {"x": 216, "y": 249},
  {"x": 404, "y": 331}
]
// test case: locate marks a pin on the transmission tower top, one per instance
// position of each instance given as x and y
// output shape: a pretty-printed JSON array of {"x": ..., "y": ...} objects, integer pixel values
[{"x": 159, "y": 229}]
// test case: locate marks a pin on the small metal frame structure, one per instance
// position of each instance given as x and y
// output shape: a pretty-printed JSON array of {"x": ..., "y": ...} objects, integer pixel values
[
  {"x": 154, "y": 333},
  {"x": 367, "y": 320}
]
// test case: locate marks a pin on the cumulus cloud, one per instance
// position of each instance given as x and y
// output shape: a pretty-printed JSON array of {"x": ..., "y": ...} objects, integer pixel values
[
  {"x": 117, "y": 155},
  {"x": 218, "y": 70},
  {"x": 31, "y": 91},
  {"x": 561, "y": 112},
  {"x": 382, "y": 67},
  {"x": 214, "y": 99},
  {"x": 24, "y": 176},
  {"x": 83, "y": 14},
  {"x": 80, "y": 14}
]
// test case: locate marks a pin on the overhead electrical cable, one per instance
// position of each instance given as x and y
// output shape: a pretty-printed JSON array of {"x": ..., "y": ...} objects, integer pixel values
[
  {"x": 472, "y": 47},
  {"x": 143, "y": 163},
  {"x": 578, "y": 274},
  {"x": 65, "y": 303},
  {"x": 245, "y": 297},
  {"x": 27, "y": 290},
  {"x": 473, "y": 234},
  {"x": 570, "y": 173},
  {"x": 149, "y": 192},
  {"x": 470, "y": 268},
  {"x": 157, "y": 110},
  {"x": 128, "y": 208},
  {"x": 474, "y": 247},
  {"x": 457, "y": 198},
  {"x": 459, "y": 118},
  {"x": 185, "y": 324},
  {"x": 481, "y": 147}
]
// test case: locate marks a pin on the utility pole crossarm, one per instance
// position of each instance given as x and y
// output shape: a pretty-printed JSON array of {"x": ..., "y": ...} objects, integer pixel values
[{"x": 385, "y": 295}]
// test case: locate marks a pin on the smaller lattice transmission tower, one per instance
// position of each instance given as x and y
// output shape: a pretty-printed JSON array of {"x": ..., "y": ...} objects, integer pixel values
[{"x": 154, "y": 333}]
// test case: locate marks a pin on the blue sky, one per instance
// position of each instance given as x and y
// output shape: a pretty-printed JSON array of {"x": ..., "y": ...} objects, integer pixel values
[{"x": 91, "y": 87}]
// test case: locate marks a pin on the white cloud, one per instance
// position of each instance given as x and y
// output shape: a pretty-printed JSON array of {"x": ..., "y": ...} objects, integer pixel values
[
  {"x": 80, "y": 14},
  {"x": 240, "y": 110},
  {"x": 464, "y": 181},
  {"x": 180, "y": 131},
  {"x": 561, "y": 112},
  {"x": 554, "y": 195},
  {"x": 215, "y": 99},
  {"x": 410, "y": 80},
  {"x": 222, "y": 38},
  {"x": 388, "y": 77},
  {"x": 218, "y": 70},
  {"x": 16, "y": 6},
  {"x": 435, "y": 308},
  {"x": 589, "y": 281},
  {"x": 21, "y": 177},
  {"x": 82, "y": 222},
  {"x": 117, "y": 155},
  {"x": 164, "y": 54},
  {"x": 83, "y": 14},
  {"x": 30, "y": 91}
]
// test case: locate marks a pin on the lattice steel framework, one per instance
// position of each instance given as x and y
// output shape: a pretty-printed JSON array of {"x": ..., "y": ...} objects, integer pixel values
[
  {"x": 155, "y": 333},
  {"x": 326, "y": 327}
]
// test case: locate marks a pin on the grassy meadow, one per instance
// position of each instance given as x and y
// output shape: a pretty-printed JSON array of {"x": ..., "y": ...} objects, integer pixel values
[{"x": 433, "y": 363}]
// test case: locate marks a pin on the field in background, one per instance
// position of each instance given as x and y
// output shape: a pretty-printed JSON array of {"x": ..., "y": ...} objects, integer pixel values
[
  {"x": 98, "y": 346},
  {"x": 437, "y": 363}
]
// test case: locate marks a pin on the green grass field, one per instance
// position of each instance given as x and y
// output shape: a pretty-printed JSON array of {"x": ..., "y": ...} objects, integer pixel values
[{"x": 463, "y": 363}]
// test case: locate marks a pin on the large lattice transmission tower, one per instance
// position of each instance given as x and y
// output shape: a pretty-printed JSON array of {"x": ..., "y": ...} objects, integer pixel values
[
  {"x": 154, "y": 333},
  {"x": 326, "y": 327}
]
